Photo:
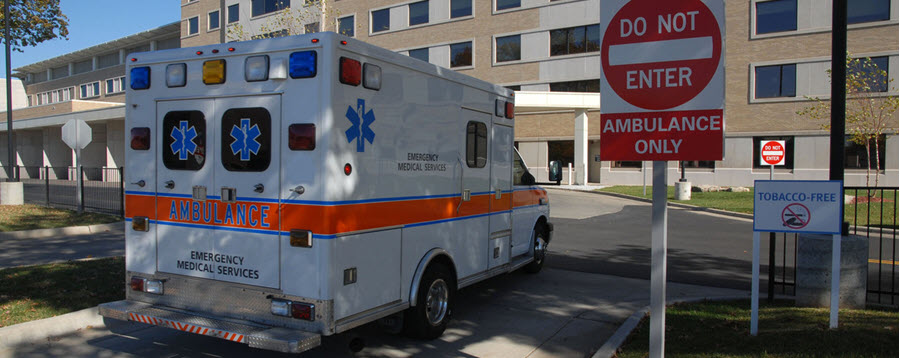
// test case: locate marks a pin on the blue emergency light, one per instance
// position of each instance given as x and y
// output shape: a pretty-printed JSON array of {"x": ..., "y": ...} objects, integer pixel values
[
  {"x": 140, "y": 78},
  {"x": 303, "y": 64}
]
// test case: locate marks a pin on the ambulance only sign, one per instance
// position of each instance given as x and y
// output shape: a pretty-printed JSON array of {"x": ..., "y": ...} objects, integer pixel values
[
  {"x": 662, "y": 80},
  {"x": 807, "y": 206}
]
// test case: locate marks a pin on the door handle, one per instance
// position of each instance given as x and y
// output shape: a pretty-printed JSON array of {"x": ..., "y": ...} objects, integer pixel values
[
  {"x": 259, "y": 188},
  {"x": 170, "y": 184}
]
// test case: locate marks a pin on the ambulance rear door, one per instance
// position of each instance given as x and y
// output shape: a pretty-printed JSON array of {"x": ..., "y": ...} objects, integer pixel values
[{"x": 218, "y": 194}]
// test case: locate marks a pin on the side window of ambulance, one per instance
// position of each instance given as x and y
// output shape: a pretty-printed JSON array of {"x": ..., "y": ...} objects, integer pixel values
[
  {"x": 184, "y": 140},
  {"x": 519, "y": 169},
  {"x": 246, "y": 139},
  {"x": 476, "y": 145}
]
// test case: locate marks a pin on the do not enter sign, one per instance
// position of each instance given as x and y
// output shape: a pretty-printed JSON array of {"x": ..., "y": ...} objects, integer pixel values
[
  {"x": 662, "y": 55},
  {"x": 772, "y": 152},
  {"x": 662, "y": 80}
]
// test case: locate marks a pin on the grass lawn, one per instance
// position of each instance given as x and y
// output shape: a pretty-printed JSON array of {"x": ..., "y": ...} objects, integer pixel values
[
  {"x": 28, "y": 217},
  {"x": 35, "y": 292},
  {"x": 743, "y": 203},
  {"x": 722, "y": 329}
]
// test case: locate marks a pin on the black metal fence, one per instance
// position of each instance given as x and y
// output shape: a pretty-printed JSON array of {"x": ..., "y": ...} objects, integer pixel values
[
  {"x": 871, "y": 213},
  {"x": 102, "y": 189}
]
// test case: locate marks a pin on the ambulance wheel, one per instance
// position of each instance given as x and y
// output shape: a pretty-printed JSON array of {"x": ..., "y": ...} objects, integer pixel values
[
  {"x": 434, "y": 302},
  {"x": 540, "y": 250}
]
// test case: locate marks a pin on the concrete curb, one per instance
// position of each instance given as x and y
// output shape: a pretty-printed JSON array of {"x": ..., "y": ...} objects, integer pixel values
[
  {"x": 609, "y": 349},
  {"x": 677, "y": 205},
  {"x": 63, "y": 231},
  {"x": 40, "y": 330}
]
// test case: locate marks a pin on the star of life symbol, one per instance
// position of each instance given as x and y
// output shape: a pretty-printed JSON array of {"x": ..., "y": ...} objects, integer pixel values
[
  {"x": 360, "y": 131},
  {"x": 245, "y": 139},
  {"x": 184, "y": 140}
]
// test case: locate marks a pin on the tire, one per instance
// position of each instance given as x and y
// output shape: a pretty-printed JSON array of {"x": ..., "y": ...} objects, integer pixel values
[
  {"x": 540, "y": 250},
  {"x": 434, "y": 304}
]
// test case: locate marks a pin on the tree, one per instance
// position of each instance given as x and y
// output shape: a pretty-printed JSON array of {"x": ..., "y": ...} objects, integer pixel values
[
  {"x": 34, "y": 21},
  {"x": 870, "y": 111},
  {"x": 307, "y": 18}
]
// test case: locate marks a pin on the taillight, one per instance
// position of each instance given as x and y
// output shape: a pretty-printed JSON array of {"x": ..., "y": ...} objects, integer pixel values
[
  {"x": 292, "y": 309},
  {"x": 348, "y": 169},
  {"x": 510, "y": 110},
  {"x": 351, "y": 71},
  {"x": 144, "y": 285},
  {"x": 140, "y": 138},
  {"x": 137, "y": 284},
  {"x": 302, "y": 136}
]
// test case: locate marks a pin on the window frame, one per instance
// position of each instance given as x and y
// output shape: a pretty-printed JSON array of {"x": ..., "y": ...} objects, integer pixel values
[
  {"x": 860, "y": 153},
  {"x": 789, "y": 145},
  {"x": 470, "y": 9},
  {"x": 209, "y": 18},
  {"x": 276, "y": 6},
  {"x": 518, "y": 49},
  {"x": 121, "y": 85},
  {"x": 427, "y": 16},
  {"x": 471, "y": 63},
  {"x": 427, "y": 54},
  {"x": 513, "y": 4},
  {"x": 781, "y": 84},
  {"x": 856, "y": 6},
  {"x": 94, "y": 93},
  {"x": 479, "y": 146},
  {"x": 756, "y": 21},
  {"x": 372, "y": 14},
  {"x": 193, "y": 28},
  {"x": 352, "y": 18},
  {"x": 237, "y": 13}
]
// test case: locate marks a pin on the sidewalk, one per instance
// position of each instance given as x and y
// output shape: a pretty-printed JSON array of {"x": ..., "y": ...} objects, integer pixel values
[
  {"x": 555, "y": 313},
  {"x": 42, "y": 246}
]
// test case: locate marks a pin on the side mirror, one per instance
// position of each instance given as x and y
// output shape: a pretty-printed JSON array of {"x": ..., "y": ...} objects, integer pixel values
[
  {"x": 527, "y": 178},
  {"x": 555, "y": 171}
]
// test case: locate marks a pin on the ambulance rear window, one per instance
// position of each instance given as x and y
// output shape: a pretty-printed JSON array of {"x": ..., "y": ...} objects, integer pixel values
[
  {"x": 246, "y": 139},
  {"x": 476, "y": 145},
  {"x": 184, "y": 140}
]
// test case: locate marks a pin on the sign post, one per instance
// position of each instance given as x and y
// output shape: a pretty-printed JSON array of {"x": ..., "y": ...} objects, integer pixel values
[
  {"x": 798, "y": 206},
  {"x": 663, "y": 89},
  {"x": 77, "y": 135}
]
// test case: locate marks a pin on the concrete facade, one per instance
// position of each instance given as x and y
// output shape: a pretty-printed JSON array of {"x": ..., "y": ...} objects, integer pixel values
[{"x": 747, "y": 117}]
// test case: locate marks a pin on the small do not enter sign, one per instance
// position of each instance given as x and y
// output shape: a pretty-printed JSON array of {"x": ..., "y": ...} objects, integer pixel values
[
  {"x": 662, "y": 55},
  {"x": 772, "y": 152}
]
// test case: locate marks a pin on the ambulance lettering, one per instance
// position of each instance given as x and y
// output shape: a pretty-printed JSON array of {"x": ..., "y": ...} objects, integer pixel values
[{"x": 256, "y": 216}]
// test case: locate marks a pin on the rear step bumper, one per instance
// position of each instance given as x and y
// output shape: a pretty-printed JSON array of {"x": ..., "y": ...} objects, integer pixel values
[{"x": 254, "y": 335}]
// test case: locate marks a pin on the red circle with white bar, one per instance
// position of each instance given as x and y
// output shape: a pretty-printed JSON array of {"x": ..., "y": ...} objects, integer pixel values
[
  {"x": 772, "y": 153},
  {"x": 661, "y": 54}
]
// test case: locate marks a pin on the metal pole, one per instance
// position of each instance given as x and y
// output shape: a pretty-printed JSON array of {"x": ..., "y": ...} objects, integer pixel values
[
  {"x": 754, "y": 287},
  {"x": 11, "y": 145},
  {"x": 771, "y": 293},
  {"x": 659, "y": 224},
  {"x": 644, "y": 170},
  {"x": 838, "y": 87},
  {"x": 47, "y": 184},
  {"x": 835, "y": 280},
  {"x": 122, "y": 191}
]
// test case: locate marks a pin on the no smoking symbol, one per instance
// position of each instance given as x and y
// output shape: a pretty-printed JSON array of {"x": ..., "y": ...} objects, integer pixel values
[{"x": 795, "y": 216}]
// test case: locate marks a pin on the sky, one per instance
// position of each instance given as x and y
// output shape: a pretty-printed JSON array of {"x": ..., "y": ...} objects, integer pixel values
[{"x": 93, "y": 22}]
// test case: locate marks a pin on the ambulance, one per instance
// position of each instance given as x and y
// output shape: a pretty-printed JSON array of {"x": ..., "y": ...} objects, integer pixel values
[{"x": 282, "y": 190}]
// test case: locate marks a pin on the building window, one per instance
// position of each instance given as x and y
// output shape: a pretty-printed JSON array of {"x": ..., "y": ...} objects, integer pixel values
[
  {"x": 421, "y": 54},
  {"x": 461, "y": 54},
  {"x": 418, "y": 13},
  {"x": 115, "y": 85},
  {"x": 193, "y": 25},
  {"x": 859, "y": 11},
  {"x": 776, "y": 81},
  {"x": 776, "y": 16},
  {"x": 262, "y": 7},
  {"x": 514, "y": 88},
  {"x": 626, "y": 164},
  {"x": 788, "y": 152},
  {"x": 311, "y": 28},
  {"x": 575, "y": 40},
  {"x": 347, "y": 26},
  {"x": 576, "y": 86},
  {"x": 509, "y": 48},
  {"x": 234, "y": 13},
  {"x": 508, "y": 4},
  {"x": 476, "y": 145},
  {"x": 873, "y": 72},
  {"x": 214, "y": 20},
  {"x": 562, "y": 151},
  {"x": 460, "y": 8},
  {"x": 381, "y": 20},
  {"x": 855, "y": 154},
  {"x": 90, "y": 89}
]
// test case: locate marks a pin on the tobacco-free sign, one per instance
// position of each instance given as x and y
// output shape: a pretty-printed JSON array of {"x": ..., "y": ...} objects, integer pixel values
[
  {"x": 808, "y": 206},
  {"x": 662, "y": 80}
]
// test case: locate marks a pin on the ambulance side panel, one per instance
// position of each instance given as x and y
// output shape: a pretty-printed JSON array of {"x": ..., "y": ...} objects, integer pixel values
[{"x": 140, "y": 251}]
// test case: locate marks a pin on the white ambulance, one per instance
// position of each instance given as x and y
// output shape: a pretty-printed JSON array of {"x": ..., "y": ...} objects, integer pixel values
[{"x": 286, "y": 189}]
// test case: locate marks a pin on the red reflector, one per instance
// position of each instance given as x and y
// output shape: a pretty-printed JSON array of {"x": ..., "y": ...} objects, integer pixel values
[
  {"x": 510, "y": 110},
  {"x": 140, "y": 138},
  {"x": 351, "y": 71},
  {"x": 315, "y": 41},
  {"x": 348, "y": 169},
  {"x": 133, "y": 60},
  {"x": 231, "y": 49},
  {"x": 343, "y": 42},
  {"x": 302, "y": 136},
  {"x": 137, "y": 284},
  {"x": 301, "y": 311},
  {"x": 199, "y": 52},
  {"x": 215, "y": 51}
]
